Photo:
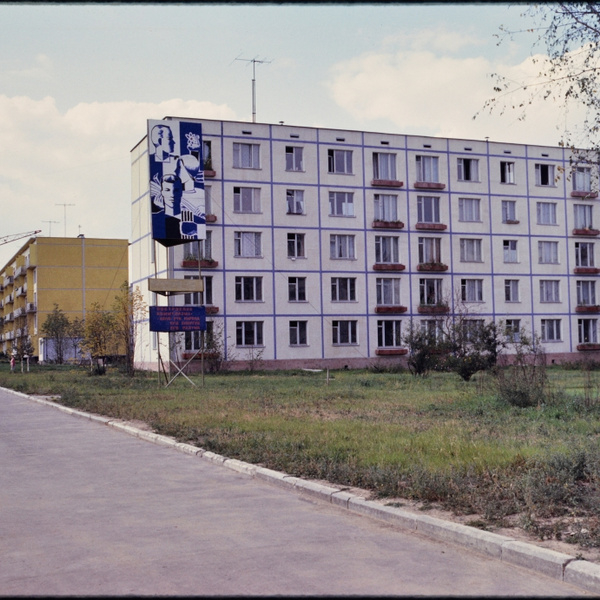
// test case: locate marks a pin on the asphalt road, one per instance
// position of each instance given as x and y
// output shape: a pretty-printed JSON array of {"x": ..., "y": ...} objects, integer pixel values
[{"x": 89, "y": 510}]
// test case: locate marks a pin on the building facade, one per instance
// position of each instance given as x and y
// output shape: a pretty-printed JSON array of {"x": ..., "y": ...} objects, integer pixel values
[
  {"x": 324, "y": 245},
  {"x": 73, "y": 273}
]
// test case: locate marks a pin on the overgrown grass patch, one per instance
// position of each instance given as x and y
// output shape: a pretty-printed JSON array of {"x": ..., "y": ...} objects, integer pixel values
[{"x": 436, "y": 439}]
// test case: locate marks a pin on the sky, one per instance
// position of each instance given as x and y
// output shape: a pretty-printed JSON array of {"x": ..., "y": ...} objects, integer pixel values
[{"x": 79, "y": 81}]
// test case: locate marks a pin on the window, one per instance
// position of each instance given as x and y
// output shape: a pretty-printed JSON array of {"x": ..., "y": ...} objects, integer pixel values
[
  {"x": 549, "y": 290},
  {"x": 207, "y": 155},
  {"x": 510, "y": 251},
  {"x": 389, "y": 334},
  {"x": 507, "y": 172},
  {"x": 509, "y": 211},
  {"x": 297, "y": 289},
  {"x": 248, "y": 289},
  {"x": 546, "y": 213},
  {"x": 249, "y": 333},
  {"x": 246, "y": 199},
  {"x": 388, "y": 291},
  {"x": 295, "y": 202},
  {"x": 512, "y": 330},
  {"x": 584, "y": 254},
  {"x": 582, "y": 179},
  {"x": 384, "y": 165},
  {"x": 470, "y": 250},
  {"x": 544, "y": 174},
  {"x": 588, "y": 331},
  {"x": 246, "y": 244},
  {"x": 469, "y": 209},
  {"x": 298, "y": 333},
  {"x": 430, "y": 250},
  {"x": 343, "y": 289},
  {"x": 428, "y": 209},
  {"x": 344, "y": 333},
  {"x": 471, "y": 290},
  {"x": 295, "y": 245},
  {"x": 433, "y": 328},
  {"x": 386, "y": 207},
  {"x": 586, "y": 293},
  {"x": 341, "y": 246},
  {"x": 199, "y": 298},
  {"x": 468, "y": 169},
  {"x": 339, "y": 161},
  {"x": 551, "y": 330},
  {"x": 294, "y": 158},
  {"x": 583, "y": 216},
  {"x": 386, "y": 249},
  {"x": 208, "y": 199},
  {"x": 430, "y": 291},
  {"x": 472, "y": 328},
  {"x": 192, "y": 340},
  {"x": 341, "y": 204},
  {"x": 427, "y": 169},
  {"x": 548, "y": 252},
  {"x": 511, "y": 290},
  {"x": 190, "y": 249},
  {"x": 246, "y": 156}
]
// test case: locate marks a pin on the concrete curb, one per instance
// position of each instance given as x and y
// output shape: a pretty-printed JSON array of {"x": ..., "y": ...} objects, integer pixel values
[{"x": 557, "y": 565}]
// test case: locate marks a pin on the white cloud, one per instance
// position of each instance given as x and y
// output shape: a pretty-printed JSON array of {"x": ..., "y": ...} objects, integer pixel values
[{"x": 80, "y": 157}]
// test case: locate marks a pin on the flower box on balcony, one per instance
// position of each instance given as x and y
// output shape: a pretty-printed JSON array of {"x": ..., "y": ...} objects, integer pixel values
[
  {"x": 391, "y": 351},
  {"x": 390, "y": 309},
  {"x": 387, "y": 183},
  {"x": 189, "y": 263},
  {"x": 207, "y": 355},
  {"x": 207, "y": 263},
  {"x": 387, "y": 224},
  {"x": 388, "y": 267},
  {"x": 587, "y": 308},
  {"x": 586, "y": 270},
  {"x": 429, "y": 185},
  {"x": 433, "y": 266},
  {"x": 211, "y": 218},
  {"x": 431, "y": 226},
  {"x": 211, "y": 310},
  {"x": 582, "y": 194},
  {"x": 588, "y": 347},
  {"x": 586, "y": 231},
  {"x": 209, "y": 173},
  {"x": 433, "y": 309},
  {"x": 511, "y": 222}
]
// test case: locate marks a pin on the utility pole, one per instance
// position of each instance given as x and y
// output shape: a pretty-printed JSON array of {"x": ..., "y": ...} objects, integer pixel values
[
  {"x": 254, "y": 61},
  {"x": 50, "y": 228},
  {"x": 65, "y": 206}
]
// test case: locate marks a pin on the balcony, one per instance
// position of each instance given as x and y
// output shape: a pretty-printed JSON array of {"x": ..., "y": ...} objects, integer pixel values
[
  {"x": 586, "y": 270},
  {"x": 432, "y": 266},
  {"x": 431, "y": 226},
  {"x": 8, "y": 280},
  {"x": 433, "y": 309},
  {"x": 20, "y": 271},
  {"x": 377, "y": 224},
  {"x": 211, "y": 218},
  {"x": 9, "y": 299},
  {"x": 19, "y": 312},
  {"x": 388, "y": 267},
  {"x": 211, "y": 310},
  {"x": 587, "y": 308},
  {"x": 428, "y": 185},
  {"x": 391, "y": 351},
  {"x": 393, "y": 183},
  {"x": 206, "y": 263},
  {"x": 586, "y": 231},
  {"x": 22, "y": 291},
  {"x": 31, "y": 307},
  {"x": 589, "y": 195},
  {"x": 390, "y": 309},
  {"x": 587, "y": 347}
]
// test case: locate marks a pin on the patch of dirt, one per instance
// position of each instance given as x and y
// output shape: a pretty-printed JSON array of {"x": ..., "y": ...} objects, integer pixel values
[{"x": 515, "y": 532}]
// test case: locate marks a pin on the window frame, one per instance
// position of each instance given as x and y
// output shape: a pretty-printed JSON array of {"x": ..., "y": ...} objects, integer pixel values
[
  {"x": 298, "y": 332},
  {"x": 471, "y": 250},
  {"x": 387, "y": 170},
  {"x": 341, "y": 204},
  {"x": 389, "y": 333},
  {"x": 296, "y": 245},
  {"x": 507, "y": 172},
  {"x": 387, "y": 249},
  {"x": 471, "y": 290},
  {"x": 248, "y": 288},
  {"x": 244, "y": 330},
  {"x": 428, "y": 170},
  {"x": 293, "y": 162},
  {"x": 467, "y": 169},
  {"x": 242, "y": 243},
  {"x": 386, "y": 207},
  {"x": 469, "y": 210},
  {"x": 342, "y": 246},
  {"x": 296, "y": 289},
  {"x": 547, "y": 244},
  {"x": 511, "y": 290},
  {"x": 343, "y": 289},
  {"x": 549, "y": 291},
  {"x": 428, "y": 209},
  {"x": 387, "y": 290},
  {"x": 295, "y": 201},
  {"x": 240, "y": 202},
  {"x": 551, "y": 330},
  {"x": 240, "y": 157},
  {"x": 339, "y": 161},
  {"x": 344, "y": 332}
]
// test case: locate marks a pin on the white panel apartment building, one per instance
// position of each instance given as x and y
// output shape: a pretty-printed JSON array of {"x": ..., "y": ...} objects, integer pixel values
[{"x": 327, "y": 243}]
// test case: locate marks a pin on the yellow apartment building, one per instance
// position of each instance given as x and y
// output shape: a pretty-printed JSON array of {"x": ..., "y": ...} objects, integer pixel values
[{"x": 73, "y": 273}]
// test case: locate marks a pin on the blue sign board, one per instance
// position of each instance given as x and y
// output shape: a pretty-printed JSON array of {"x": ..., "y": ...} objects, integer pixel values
[
  {"x": 177, "y": 318},
  {"x": 176, "y": 181}
]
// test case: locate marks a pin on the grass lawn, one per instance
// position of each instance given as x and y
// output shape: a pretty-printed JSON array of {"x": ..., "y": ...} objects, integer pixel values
[{"x": 438, "y": 439}]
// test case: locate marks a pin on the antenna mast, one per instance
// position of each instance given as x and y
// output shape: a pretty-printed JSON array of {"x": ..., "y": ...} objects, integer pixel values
[{"x": 254, "y": 61}]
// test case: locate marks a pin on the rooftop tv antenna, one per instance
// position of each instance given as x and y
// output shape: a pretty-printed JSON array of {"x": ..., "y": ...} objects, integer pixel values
[
  {"x": 65, "y": 207},
  {"x": 254, "y": 62},
  {"x": 50, "y": 223}
]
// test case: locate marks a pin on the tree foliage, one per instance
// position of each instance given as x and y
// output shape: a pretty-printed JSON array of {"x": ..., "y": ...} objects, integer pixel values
[
  {"x": 56, "y": 328},
  {"x": 568, "y": 34},
  {"x": 99, "y": 336}
]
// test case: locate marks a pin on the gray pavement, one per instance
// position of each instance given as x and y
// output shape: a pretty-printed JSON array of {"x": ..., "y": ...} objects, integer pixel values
[{"x": 86, "y": 509}]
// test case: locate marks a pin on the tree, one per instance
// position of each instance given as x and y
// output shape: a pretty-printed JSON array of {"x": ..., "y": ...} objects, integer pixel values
[
  {"x": 568, "y": 73},
  {"x": 55, "y": 328},
  {"x": 425, "y": 348},
  {"x": 98, "y": 336},
  {"x": 75, "y": 335},
  {"x": 129, "y": 309}
]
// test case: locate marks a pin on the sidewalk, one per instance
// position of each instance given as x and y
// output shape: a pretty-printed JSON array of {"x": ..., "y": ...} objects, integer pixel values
[{"x": 87, "y": 510}]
